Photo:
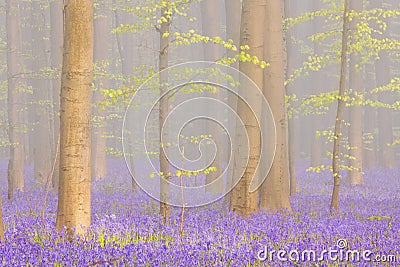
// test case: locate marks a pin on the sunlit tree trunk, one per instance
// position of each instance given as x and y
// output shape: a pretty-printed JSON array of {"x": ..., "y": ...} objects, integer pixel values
[
  {"x": 210, "y": 24},
  {"x": 275, "y": 189},
  {"x": 76, "y": 91},
  {"x": 42, "y": 134},
  {"x": 164, "y": 164},
  {"x": 243, "y": 201},
  {"x": 101, "y": 57},
  {"x": 56, "y": 33},
  {"x": 356, "y": 116},
  {"x": 339, "y": 116},
  {"x": 14, "y": 65}
]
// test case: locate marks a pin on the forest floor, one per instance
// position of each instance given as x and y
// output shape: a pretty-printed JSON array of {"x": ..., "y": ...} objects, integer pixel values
[{"x": 127, "y": 230}]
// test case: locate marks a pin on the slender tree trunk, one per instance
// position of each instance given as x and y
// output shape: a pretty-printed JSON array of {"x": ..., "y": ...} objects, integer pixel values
[
  {"x": 243, "y": 201},
  {"x": 56, "y": 32},
  {"x": 14, "y": 65},
  {"x": 339, "y": 116},
  {"x": 101, "y": 56},
  {"x": 356, "y": 116},
  {"x": 42, "y": 150},
  {"x": 164, "y": 164},
  {"x": 76, "y": 91},
  {"x": 275, "y": 189}
]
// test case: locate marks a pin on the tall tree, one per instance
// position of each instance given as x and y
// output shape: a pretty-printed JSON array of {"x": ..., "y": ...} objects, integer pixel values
[
  {"x": 275, "y": 189},
  {"x": 243, "y": 201},
  {"x": 340, "y": 108},
  {"x": 163, "y": 65},
  {"x": 14, "y": 65},
  {"x": 76, "y": 91},
  {"x": 356, "y": 116}
]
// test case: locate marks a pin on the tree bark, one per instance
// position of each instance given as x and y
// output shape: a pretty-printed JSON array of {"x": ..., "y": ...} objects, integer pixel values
[
  {"x": 356, "y": 116},
  {"x": 340, "y": 107},
  {"x": 76, "y": 91},
  {"x": 275, "y": 194},
  {"x": 14, "y": 66},
  {"x": 243, "y": 201}
]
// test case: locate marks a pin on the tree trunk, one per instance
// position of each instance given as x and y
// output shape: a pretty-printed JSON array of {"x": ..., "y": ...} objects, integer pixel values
[
  {"x": 164, "y": 164},
  {"x": 356, "y": 116},
  {"x": 76, "y": 91},
  {"x": 56, "y": 31},
  {"x": 101, "y": 55},
  {"x": 275, "y": 189},
  {"x": 14, "y": 65},
  {"x": 340, "y": 107},
  {"x": 243, "y": 201}
]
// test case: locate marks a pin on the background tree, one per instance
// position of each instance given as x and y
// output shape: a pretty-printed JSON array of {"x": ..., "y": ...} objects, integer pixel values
[
  {"x": 15, "y": 69},
  {"x": 340, "y": 107},
  {"x": 275, "y": 189},
  {"x": 76, "y": 91},
  {"x": 252, "y": 30}
]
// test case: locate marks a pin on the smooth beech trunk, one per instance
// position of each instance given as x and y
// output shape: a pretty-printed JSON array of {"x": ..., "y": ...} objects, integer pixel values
[
  {"x": 340, "y": 108},
  {"x": 76, "y": 91},
  {"x": 275, "y": 194},
  {"x": 14, "y": 66},
  {"x": 243, "y": 201}
]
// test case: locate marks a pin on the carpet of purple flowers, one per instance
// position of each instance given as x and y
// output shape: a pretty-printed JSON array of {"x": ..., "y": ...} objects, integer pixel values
[{"x": 127, "y": 230}]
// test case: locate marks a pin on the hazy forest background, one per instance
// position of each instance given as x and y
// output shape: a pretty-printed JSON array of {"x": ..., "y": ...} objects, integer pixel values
[{"x": 78, "y": 188}]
